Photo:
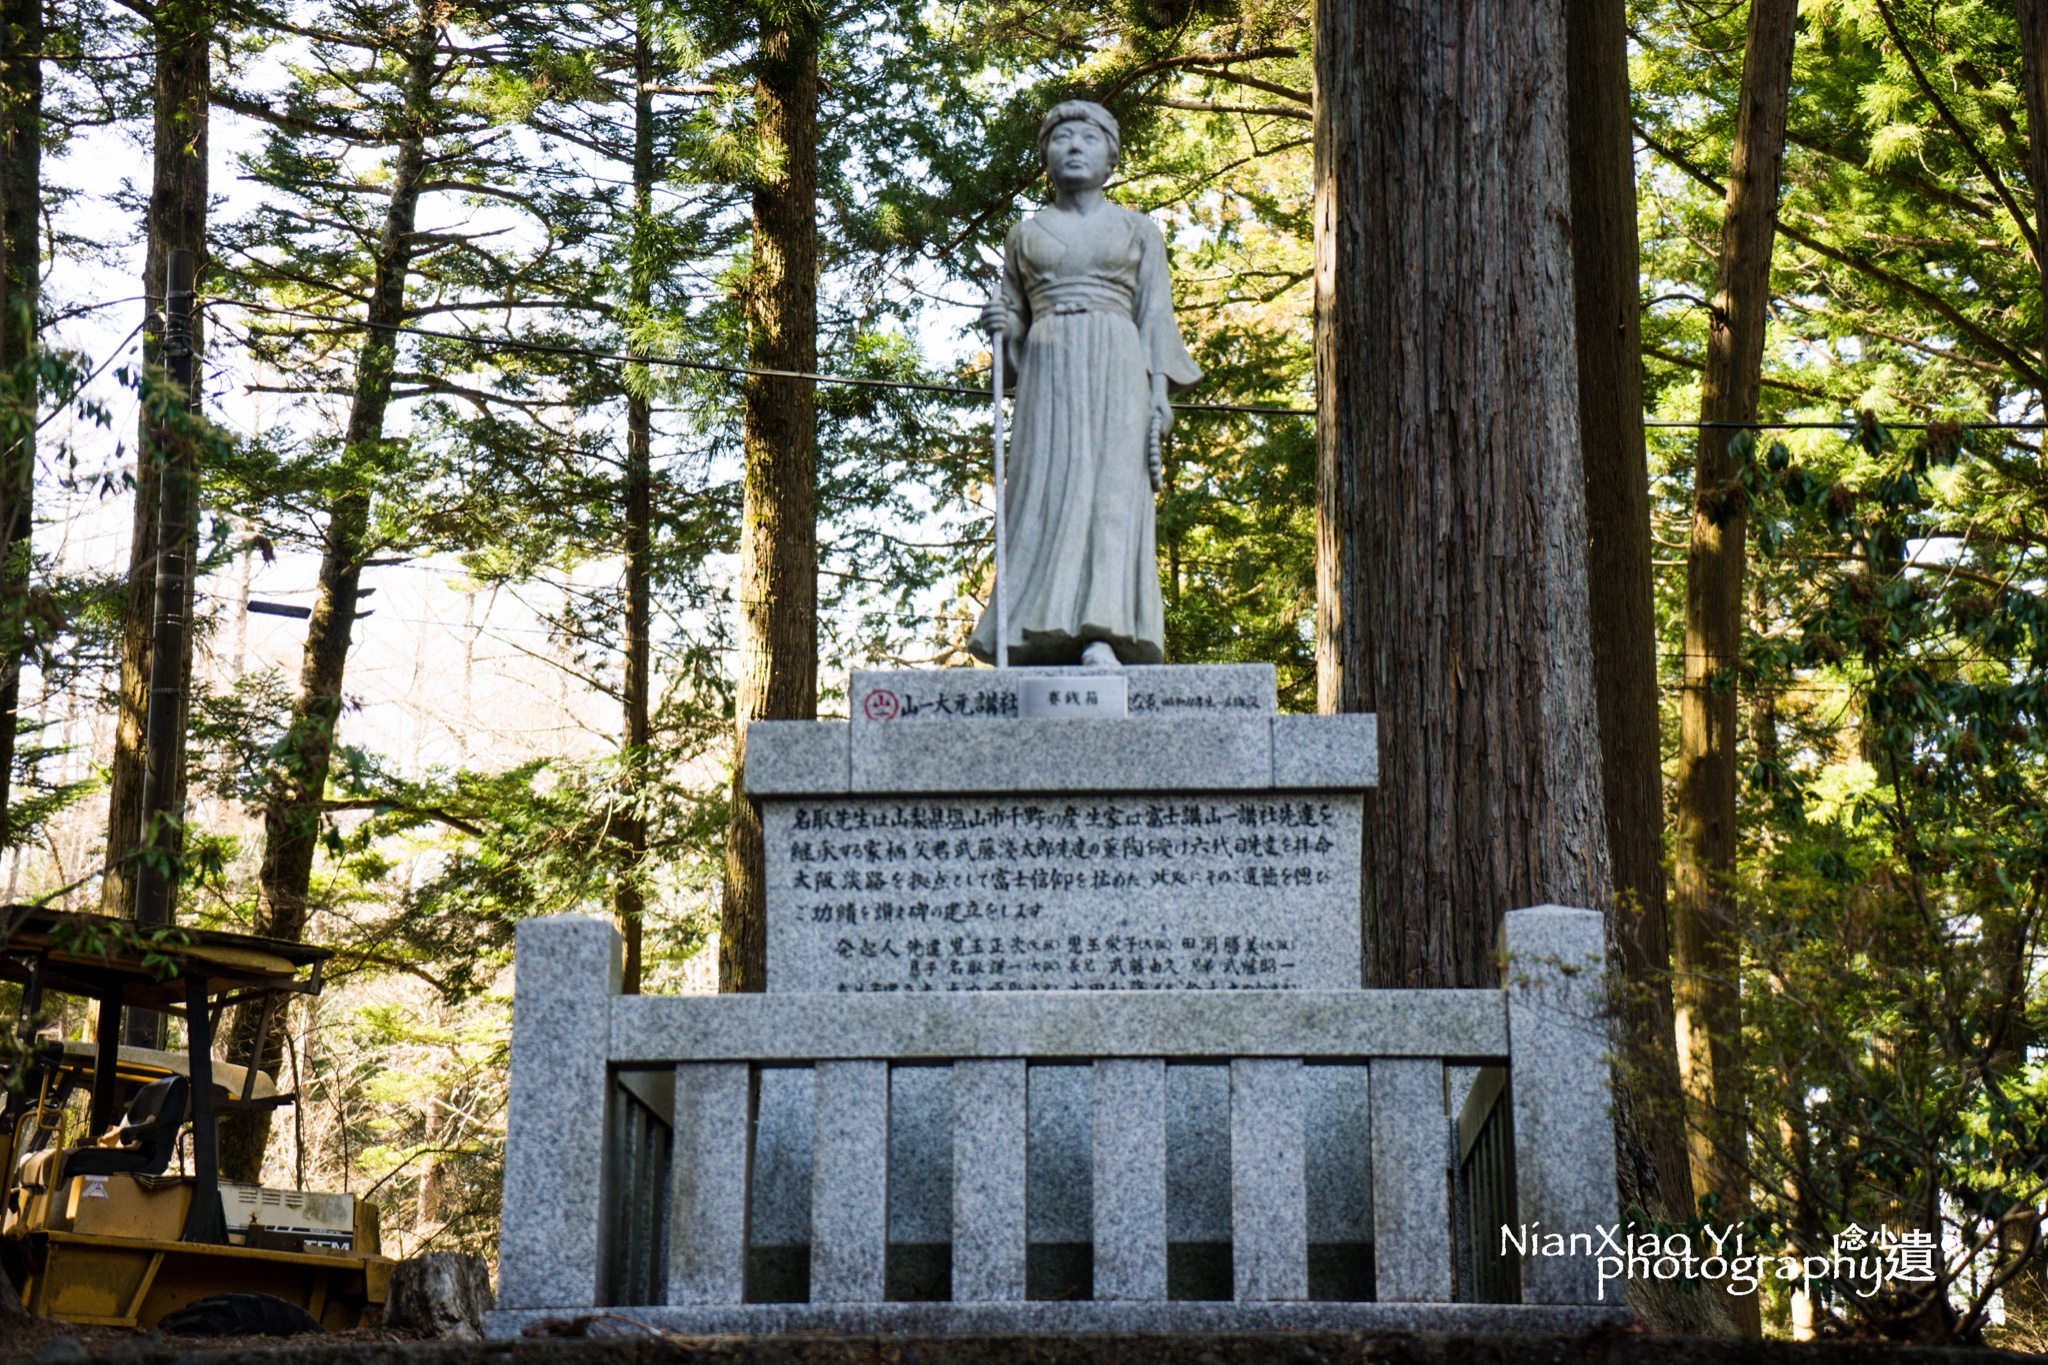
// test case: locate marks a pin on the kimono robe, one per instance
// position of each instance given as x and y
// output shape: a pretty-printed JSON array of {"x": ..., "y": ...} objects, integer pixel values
[{"x": 1089, "y": 320}]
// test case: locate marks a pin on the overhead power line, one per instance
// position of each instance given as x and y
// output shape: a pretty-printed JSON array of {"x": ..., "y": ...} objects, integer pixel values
[
  {"x": 1856, "y": 424},
  {"x": 862, "y": 381},
  {"x": 705, "y": 366}
]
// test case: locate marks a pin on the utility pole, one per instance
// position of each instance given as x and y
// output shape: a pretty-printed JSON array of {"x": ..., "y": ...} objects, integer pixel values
[{"x": 155, "y": 892}]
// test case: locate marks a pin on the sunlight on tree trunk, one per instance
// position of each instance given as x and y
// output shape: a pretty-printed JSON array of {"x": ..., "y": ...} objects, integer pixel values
[
  {"x": 1705, "y": 935},
  {"x": 21, "y": 178},
  {"x": 778, "y": 590},
  {"x": 1606, "y": 267},
  {"x": 182, "y": 31},
  {"x": 2033, "y": 17},
  {"x": 629, "y": 903}
]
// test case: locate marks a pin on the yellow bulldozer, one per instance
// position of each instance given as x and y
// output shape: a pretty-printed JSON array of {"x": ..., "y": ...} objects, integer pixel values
[{"x": 114, "y": 1211}]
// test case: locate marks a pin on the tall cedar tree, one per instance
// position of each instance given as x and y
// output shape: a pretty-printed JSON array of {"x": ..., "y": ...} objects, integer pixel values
[
  {"x": 2033, "y": 17},
  {"x": 181, "y": 31},
  {"x": 1452, "y": 505},
  {"x": 629, "y": 900},
  {"x": 293, "y": 811},
  {"x": 1705, "y": 940},
  {"x": 1649, "y": 1115},
  {"x": 778, "y": 615},
  {"x": 21, "y": 172}
]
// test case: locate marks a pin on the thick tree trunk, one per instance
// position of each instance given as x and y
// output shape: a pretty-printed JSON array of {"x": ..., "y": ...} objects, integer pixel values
[
  {"x": 182, "y": 30},
  {"x": 292, "y": 813},
  {"x": 2033, "y": 17},
  {"x": 1343, "y": 676},
  {"x": 21, "y": 178},
  {"x": 1452, "y": 495},
  {"x": 778, "y": 616},
  {"x": 629, "y": 904},
  {"x": 1606, "y": 270},
  {"x": 1705, "y": 945},
  {"x": 1343, "y": 366}
]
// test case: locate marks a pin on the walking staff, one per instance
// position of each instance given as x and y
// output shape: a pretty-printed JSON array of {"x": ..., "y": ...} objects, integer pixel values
[{"x": 996, "y": 349}]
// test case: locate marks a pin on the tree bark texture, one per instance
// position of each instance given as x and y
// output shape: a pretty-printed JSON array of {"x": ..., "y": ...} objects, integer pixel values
[
  {"x": 1649, "y": 1115},
  {"x": 21, "y": 178},
  {"x": 182, "y": 30},
  {"x": 292, "y": 812},
  {"x": 629, "y": 903},
  {"x": 1457, "y": 515},
  {"x": 778, "y": 616},
  {"x": 2033, "y": 24},
  {"x": 1706, "y": 947},
  {"x": 1343, "y": 366}
]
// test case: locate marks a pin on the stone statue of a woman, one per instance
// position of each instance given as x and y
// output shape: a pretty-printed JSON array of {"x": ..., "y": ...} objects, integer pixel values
[{"x": 1085, "y": 315}]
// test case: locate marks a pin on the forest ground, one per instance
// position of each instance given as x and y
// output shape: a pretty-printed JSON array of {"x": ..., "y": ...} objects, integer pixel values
[{"x": 39, "y": 1341}]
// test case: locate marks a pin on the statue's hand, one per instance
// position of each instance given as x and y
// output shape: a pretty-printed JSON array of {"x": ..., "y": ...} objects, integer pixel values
[{"x": 994, "y": 317}]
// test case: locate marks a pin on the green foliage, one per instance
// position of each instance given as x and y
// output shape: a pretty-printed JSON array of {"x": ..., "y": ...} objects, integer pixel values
[
  {"x": 1897, "y": 875},
  {"x": 1891, "y": 813}
]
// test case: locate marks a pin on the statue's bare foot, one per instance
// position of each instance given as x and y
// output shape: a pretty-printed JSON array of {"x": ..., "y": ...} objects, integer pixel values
[{"x": 1098, "y": 654}]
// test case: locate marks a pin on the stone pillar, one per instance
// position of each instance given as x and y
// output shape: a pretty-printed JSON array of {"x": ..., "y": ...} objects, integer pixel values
[
  {"x": 566, "y": 971},
  {"x": 1558, "y": 1041}
]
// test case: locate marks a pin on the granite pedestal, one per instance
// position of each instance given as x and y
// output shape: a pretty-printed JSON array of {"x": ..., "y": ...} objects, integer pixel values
[{"x": 1063, "y": 1032}]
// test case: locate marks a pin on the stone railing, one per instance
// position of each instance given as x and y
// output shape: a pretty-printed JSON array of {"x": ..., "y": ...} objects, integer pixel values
[{"x": 636, "y": 1178}]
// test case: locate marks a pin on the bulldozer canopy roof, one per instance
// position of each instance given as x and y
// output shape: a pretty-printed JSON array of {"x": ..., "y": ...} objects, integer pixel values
[
  {"x": 93, "y": 955},
  {"x": 141, "y": 1065}
]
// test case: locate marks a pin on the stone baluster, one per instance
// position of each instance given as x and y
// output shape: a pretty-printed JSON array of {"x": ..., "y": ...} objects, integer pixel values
[
  {"x": 1411, "y": 1211},
  {"x": 850, "y": 1183},
  {"x": 707, "y": 1245},
  {"x": 988, "y": 1181},
  {"x": 1268, "y": 1178},
  {"x": 1130, "y": 1179}
]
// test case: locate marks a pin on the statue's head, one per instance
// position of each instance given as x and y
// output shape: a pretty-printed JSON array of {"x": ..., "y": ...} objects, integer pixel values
[{"x": 1082, "y": 122}]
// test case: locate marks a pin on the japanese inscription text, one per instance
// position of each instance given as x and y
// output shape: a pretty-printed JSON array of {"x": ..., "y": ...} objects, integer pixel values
[{"x": 1088, "y": 893}]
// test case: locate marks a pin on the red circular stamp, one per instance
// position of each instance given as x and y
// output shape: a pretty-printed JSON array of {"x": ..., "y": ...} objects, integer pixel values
[{"x": 881, "y": 704}]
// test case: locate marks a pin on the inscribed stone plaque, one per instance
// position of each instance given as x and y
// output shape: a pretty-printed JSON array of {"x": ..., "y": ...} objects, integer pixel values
[
  {"x": 1098, "y": 695},
  {"x": 1094, "y": 893},
  {"x": 894, "y": 696}
]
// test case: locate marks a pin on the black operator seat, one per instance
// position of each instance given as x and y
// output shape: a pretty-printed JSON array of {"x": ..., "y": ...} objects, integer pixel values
[{"x": 147, "y": 1133}]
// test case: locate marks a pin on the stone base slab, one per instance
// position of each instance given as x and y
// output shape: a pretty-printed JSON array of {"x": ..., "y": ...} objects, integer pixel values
[
  {"x": 1047, "y": 1318},
  {"x": 1238, "y": 751}
]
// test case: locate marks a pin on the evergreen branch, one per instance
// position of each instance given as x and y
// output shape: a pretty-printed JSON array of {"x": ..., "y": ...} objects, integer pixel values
[
  {"x": 1220, "y": 107},
  {"x": 257, "y": 109},
  {"x": 1199, "y": 59},
  {"x": 1946, "y": 570},
  {"x": 332, "y": 390},
  {"x": 1270, "y": 87},
  {"x": 395, "y": 965},
  {"x": 1939, "y": 193},
  {"x": 1983, "y": 336},
  {"x": 1934, "y": 351},
  {"x": 1962, "y": 134},
  {"x": 1975, "y": 331},
  {"x": 591, "y": 681},
  {"x": 471, "y": 187},
  {"x": 609, "y": 151},
  {"x": 382, "y": 804},
  {"x": 598, "y": 306},
  {"x": 477, "y": 398},
  {"x": 1687, "y": 362}
]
